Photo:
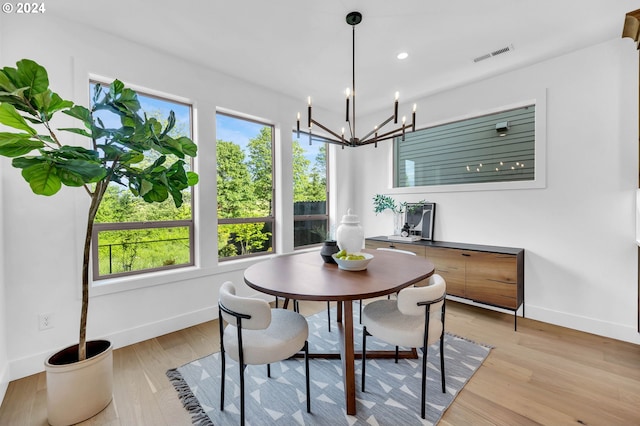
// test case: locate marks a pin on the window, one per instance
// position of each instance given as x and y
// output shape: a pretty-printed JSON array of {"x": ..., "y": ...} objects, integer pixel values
[
  {"x": 246, "y": 217},
  {"x": 498, "y": 147},
  {"x": 132, "y": 236},
  {"x": 310, "y": 191}
]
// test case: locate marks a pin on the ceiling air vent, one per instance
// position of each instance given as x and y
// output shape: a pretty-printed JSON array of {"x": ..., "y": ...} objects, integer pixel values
[{"x": 494, "y": 53}]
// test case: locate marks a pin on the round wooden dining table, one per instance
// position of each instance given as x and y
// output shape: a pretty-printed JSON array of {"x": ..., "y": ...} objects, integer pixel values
[{"x": 305, "y": 276}]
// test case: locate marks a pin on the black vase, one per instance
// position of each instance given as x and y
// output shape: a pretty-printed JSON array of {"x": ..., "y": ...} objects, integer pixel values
[{"x": 330, "y": 247}]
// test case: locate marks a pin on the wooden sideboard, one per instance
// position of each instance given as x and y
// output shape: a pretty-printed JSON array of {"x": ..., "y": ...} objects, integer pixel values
[{"x": 488, "y": 275}]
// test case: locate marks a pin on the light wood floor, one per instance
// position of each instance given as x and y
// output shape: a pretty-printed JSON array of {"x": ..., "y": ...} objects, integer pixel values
[{"x": 541, "y": 374}]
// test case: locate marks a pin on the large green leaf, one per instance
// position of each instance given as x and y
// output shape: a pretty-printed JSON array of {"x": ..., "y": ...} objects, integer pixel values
[
  {"x": 81, "y": 113},
  {"x": 112, "y": 152},
  {"x": 188, "y": 146},
  {"x": 10, "y": 117},
  {"x": 24, "y": 162},
  {"x": 48, "y": 103},
  {"x": 17, "y": 144},
  {"x": 176, "y": 194},
  {"x": 77, "y": 153},
  {"x": 129, "y": 100},
  {"x": 42, "y": 178},
  {"x": 78, "y": 172},
  {"x": 145, "y": 187},
  {"x": 171, "y": 122},
  {"x": 6, "y": 85},
  {"x": 192, "y": 178},
  {"x": 12, "y": 75},
  {"x": 32, "y": 75},
  {"x": 82, "y": 132},
  {"x": 157, "y": 194},
  {"x": 57, "y": 103},
  {"x": 115, "y": 88},
  {"x": 69, "y": 178},
  {"x": 132, "y": 157}
]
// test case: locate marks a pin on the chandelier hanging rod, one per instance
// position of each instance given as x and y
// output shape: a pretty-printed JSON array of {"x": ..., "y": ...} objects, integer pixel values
[{"x": 373, "y": 137}]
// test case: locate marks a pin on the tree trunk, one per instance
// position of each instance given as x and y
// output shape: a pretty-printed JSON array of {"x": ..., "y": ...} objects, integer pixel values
[{"x": 96, "y": 199}]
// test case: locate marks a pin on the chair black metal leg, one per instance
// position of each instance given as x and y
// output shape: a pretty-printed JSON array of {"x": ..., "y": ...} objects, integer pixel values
[
  {"x": 397, "y": 350},
  {"x": 306, "y": 371},
  {"x": 424, "y": 383},
  {"x": 242, "y": 394},
  {"x": 425, "y": 349},
  {"x": 442, "y": 363},
  {"x": 329, "y": 316},
  {"x": 222, "y": 357},
  {"x": 269, "y": 370},
  {"x": 222, "y": 363},
  {"x": 364, "y": 355}
]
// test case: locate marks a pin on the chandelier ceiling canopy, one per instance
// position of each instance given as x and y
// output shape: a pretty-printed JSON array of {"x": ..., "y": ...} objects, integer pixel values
[{"x": 375, "y": 135}]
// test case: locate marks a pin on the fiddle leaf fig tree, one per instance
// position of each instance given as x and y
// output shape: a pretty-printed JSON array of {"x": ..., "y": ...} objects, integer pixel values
[{"x": 140, "y": 154}]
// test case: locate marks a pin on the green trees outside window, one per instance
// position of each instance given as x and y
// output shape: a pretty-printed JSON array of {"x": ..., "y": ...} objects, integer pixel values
[
  {"x": 246, "y": 216},
  {"x": 310, "y": 191},
  {"x": 245, "y": 188}
]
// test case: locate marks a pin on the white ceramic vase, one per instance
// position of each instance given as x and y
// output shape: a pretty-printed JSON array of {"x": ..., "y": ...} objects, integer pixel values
[{"x": 350, "y": 235}]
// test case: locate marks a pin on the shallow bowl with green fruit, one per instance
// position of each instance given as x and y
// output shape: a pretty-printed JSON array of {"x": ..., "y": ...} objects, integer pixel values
[{"x": 352, "y": 261}]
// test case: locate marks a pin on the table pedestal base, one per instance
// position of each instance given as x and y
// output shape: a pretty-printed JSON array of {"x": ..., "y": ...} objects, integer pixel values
[{"x": 348, "y": 354}]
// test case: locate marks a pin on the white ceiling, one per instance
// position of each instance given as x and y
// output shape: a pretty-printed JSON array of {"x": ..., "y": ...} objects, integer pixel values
[{"x": 303, "y": 47}]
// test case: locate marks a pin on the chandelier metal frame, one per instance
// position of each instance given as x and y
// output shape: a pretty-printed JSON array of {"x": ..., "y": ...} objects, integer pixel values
[{"x": 376, "y": 134}]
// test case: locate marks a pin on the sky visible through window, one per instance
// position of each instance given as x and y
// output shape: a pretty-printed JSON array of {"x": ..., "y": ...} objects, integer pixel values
[
  {"x": 152, "y": 105},
  {"x": 240, "y": 131}
]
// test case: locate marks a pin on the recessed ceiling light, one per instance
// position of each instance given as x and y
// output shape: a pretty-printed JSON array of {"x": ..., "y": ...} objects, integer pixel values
[{"x": 403, "y": 55}]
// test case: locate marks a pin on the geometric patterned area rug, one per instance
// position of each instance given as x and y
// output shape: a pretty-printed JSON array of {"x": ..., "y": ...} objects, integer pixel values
[{"x": 392, "y": 396}]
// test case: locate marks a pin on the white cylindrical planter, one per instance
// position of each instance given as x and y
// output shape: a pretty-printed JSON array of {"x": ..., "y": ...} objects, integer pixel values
[{"x": 78, "y": 390}]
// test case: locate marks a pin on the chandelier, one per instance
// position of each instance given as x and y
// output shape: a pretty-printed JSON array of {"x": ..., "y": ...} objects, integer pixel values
[{"x": 377, "y": 134}]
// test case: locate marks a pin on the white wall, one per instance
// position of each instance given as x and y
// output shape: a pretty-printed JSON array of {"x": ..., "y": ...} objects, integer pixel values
[
  {"x": 578, "y": 231},
  {"x": 4, "y": 361}
]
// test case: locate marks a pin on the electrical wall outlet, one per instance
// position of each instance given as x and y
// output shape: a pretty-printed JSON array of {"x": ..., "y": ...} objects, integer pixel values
[{"x": 45, "y": 321}]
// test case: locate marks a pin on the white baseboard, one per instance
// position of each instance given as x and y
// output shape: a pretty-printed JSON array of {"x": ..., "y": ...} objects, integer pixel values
[
  {"x": 33, "y": 364},
  {"x": 563, "y": 319},
  {"x": 611, "y": 330},
  {"x": 4, "y": 381}
]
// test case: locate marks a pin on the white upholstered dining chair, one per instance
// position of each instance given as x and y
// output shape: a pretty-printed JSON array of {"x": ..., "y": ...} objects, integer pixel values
[
  {"x": 415, "y": 319},
  {"x": 360, "y": 301},
  {"x": 256, "y": 334},
  {"x": 396, "y": 250}
]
